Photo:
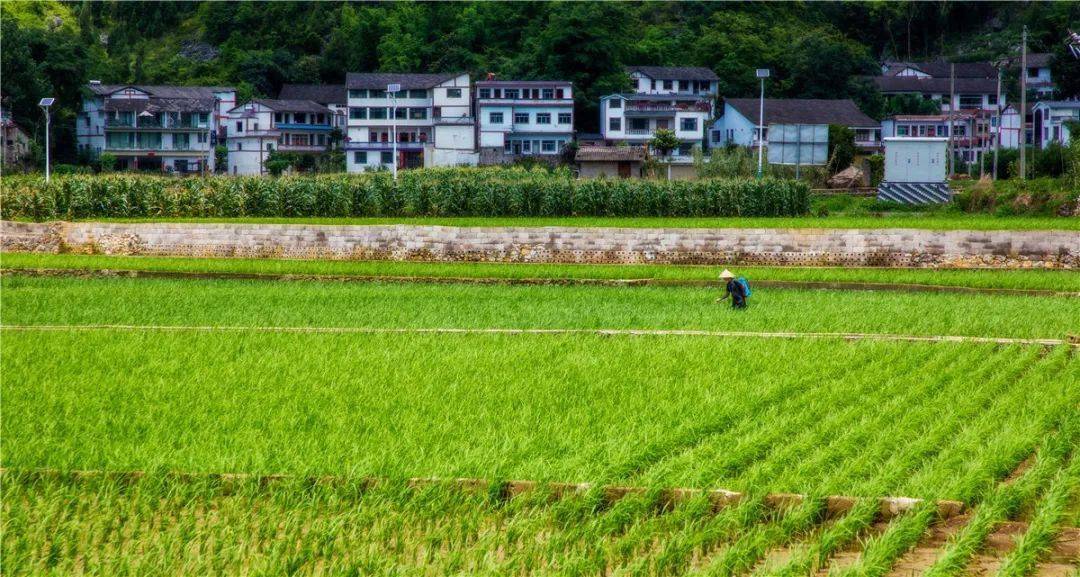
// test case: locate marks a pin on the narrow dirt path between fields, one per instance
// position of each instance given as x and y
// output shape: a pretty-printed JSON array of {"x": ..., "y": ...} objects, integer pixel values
[
  {"x": 782, "y": 284},
  {"x": 511, "y": 331}
]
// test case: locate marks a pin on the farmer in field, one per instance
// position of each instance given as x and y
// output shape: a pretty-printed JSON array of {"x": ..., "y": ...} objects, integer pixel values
[{"x": 737, "y": 289}]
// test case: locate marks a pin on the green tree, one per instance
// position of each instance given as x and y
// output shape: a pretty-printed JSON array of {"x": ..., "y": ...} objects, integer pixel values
[{"x": 841, "y": 148}]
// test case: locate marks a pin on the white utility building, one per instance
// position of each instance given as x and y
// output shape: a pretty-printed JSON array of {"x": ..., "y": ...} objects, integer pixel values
[{"x": 915, "y": 171}]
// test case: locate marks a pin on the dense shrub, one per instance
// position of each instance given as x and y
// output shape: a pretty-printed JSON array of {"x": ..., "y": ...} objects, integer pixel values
[
  {"x": 428, "y": 192},
  {"x": 1035, "y": 197}
]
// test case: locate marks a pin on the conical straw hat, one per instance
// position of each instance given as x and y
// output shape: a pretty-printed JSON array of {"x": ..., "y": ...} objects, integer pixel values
[{"x": 727, "y": 274}]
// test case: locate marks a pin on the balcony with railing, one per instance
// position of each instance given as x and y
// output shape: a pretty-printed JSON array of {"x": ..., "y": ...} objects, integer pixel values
[
  {"x": 303, "y": 126},
  {"x": 355, "y": 145},
  {"x": 665, "y": 108}
]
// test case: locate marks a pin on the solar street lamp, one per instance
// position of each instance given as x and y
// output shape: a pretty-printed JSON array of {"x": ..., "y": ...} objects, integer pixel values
[
  {"x": 761, "y": 73},
  {"x": 45, "y": 103},
  {"x": 391, "y": 94}
]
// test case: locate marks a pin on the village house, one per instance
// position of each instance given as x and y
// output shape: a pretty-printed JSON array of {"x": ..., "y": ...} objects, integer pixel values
[
  {"x": 171, "y": 129},
  {"x": 738, "y": 125},
  {"x": 432, "y": 114},
  {"x": 332, "y": 96},
  {"x": 1039, "y": 79},
  {"x": 976, "y": 85},
  {"x": 258, "y": 128},
  {"x": 523, "y": 118},
  {"x": 1050, "y": 121},
  {"x": 972, "y": 130},
  {"x": 673, "y": 98},
  {"x": 16, "y": 143}
]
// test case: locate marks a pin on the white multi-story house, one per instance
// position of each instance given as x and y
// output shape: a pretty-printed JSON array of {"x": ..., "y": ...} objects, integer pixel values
[
  {"x": 975, "y": 83},
  {"x": 674, "y": 98},
  {"x": 1038, "y": 78},
  {"x": 432, "y": 116},
  {"x": 166, "y": 128},
  {"x": 519, "y": 118},
  {"x": 258, "y": 128},
  {"x": 332, "y": 96},
  {"x": 739, "y": 123},
  {"x": 1050, "y": 121}
]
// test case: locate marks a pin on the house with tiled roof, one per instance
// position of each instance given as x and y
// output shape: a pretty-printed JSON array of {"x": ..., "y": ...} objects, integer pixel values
[
  {"x": 332, "y": 96},
  {"x": 678, "y": 98},
  {"x": 519, "y": 118},
  {"x": 428, "y": 121},
  {"x": 257, "y": 128},
  {"x": 739, "y": 123},
  {"x": 171, "y": 129}
]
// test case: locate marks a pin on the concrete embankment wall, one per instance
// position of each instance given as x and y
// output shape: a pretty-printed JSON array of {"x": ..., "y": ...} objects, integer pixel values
[{"x": 808, "y": 247}]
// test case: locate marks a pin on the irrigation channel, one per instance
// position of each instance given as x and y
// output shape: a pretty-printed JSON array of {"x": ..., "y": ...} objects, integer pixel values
[
  {"x": 601, "y": 332},
  {"x": 632, "y": 282}
]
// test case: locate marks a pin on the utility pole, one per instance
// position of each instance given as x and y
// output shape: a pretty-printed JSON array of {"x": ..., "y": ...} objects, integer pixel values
[
  {"x": 761, "y": 73},
  {"x": 44, "y": 104},
  {"x": 391, "y": 93},
  {"x": 1000, "y": 128},
  {"x": 1023, "y": 106},
  {"x": 952, "y": 110}
]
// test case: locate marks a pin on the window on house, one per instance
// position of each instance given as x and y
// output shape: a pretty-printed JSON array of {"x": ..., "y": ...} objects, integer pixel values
[
  {"x": 495, "y": 117},
  {"x": 992, "y": 99},
  {"x": 614, "y": 124},
  {"x": 560, "y": 93},
  {"x": 715, "y": 136},
  {"x": 1033, "y": 72},
  {"x": 358, "y": 93},
  {"x": 418, "y": 113},
  {"x": 357, "y": 113},
  {"x": 511, "y": 93},
  {"x": 453, "y": 93},
  {"x": 639, "y": 124},
  {"x": 565, "y": 118},
  {"x": 277, "y": 117},
  {"x": 549, "y": 93},
  {"x": 360, "y": 157},
  {"x": 239, "y": 146},
  {"x": 421, "y": 93},
  {"x": 960, "y": 130},
  {"x": 204, "y": 118},
  {"x": 401, "y": 113},
  {"x": 485, "y": 93},
  {"x": 970, "y": 101},
  {"x": 667, "y": 85},
  {"x": 201, "y": 138},
  {"x": 521, "y": 118},
  {"x": 543, "y": 118},
  {"x": 547, "y": 146},
  {"x": 615, "y": 103},
  {"x": 688, "y": 124},
  {"x": 377, "y": 113},
  {"x": 387, "y": 157},
  {"x": 239, "y": 126},
  {"x": 901, "y": 131},
  {"x": 526, "y": 146},
  {"x": 256, "y": 126}
]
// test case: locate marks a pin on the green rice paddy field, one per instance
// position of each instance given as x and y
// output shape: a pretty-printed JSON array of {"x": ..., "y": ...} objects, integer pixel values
[{"x": 159, "y": 386}]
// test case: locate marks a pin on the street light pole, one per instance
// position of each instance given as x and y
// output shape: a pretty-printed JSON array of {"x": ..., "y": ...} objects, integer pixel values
[
  {"x": 45, "y": 103},
  {"x": 391, "y": 93},
  {"x": 761, "y": 73}
]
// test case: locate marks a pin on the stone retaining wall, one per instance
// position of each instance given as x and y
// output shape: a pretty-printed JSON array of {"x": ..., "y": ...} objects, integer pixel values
[{"x": 853, "y": 247}]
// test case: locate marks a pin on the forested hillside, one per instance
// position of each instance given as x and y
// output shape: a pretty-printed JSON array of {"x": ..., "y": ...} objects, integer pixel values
[{"x": 815, "y": 49}]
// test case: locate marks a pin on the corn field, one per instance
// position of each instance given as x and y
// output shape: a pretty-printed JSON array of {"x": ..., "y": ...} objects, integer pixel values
[{"x": 429, "y": 192}]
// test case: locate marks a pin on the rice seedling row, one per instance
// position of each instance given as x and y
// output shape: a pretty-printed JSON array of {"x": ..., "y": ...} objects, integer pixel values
[
  {"x": 1033, "y": 279},
  {"x": 65, "y": 301}
]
